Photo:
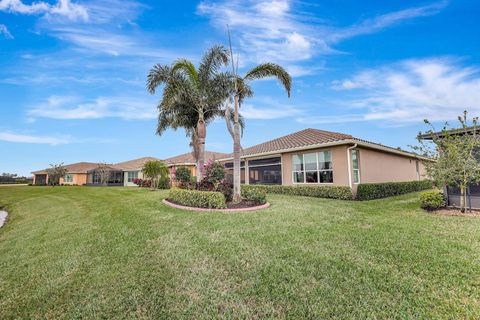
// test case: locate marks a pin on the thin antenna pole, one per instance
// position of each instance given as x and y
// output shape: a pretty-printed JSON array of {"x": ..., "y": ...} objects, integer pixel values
[{"x": 231, "y": 56}]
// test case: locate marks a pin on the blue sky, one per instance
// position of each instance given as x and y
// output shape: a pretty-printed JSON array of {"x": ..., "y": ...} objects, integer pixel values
[{"x": 72, "y": 73}]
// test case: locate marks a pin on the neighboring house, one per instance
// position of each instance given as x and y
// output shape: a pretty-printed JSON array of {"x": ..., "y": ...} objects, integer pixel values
[
  {"x": 133, "y": 169},
  {"x": 76, "y": 174},
  {"x": 187, "y": 160},
  {"x": 453, "y": 193},
  {"x": 89, "y": 173},
  {"x": 318, "y": 157}
]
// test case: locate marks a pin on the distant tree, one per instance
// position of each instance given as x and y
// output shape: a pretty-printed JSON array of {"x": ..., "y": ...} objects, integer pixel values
[
  {"x": 55, "y": 172},
  {"x": 9, "y": 175},
  {"x": 103, "y": 170},
  {"x": 155, "y": 171},
  {"x": 456, "y": 153}
]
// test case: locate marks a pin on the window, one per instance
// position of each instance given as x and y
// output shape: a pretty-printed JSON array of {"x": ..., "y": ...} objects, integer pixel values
[
  {"x": 132, "y": 175},
  {"x": 265, "y": 171},
  {"x": 68, "y": 178},
  {"x": 229, "y": 171},
  {"x": 315, "y": 167},
  {"x": 356, "y": 166}
]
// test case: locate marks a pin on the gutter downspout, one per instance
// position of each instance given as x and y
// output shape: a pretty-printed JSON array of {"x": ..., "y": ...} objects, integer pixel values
[{"x": 350, "y": 183}]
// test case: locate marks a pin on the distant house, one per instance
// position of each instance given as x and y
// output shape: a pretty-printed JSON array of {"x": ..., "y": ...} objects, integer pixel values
[
  {"x": 88, "y": 173},
  {"x": 319, "y": 157},
  {"x": 187, "y": 160},
  {"x": 76, "y": 174},
  {"x": 133, "y": 169}
]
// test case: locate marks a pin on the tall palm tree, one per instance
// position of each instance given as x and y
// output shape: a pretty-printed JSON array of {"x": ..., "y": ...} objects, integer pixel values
[
  {"x": 242, "y": 90},
  {"x": 192, "y": 97}
]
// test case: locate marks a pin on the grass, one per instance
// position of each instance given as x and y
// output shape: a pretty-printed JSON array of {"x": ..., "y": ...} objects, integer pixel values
[{"x": 80, "y": 252}]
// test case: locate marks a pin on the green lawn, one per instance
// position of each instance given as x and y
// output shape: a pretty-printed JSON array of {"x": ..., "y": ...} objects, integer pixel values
[{"x": 80, "y": 252}]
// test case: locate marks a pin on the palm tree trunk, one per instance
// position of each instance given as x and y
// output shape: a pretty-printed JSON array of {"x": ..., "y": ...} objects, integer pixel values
[
  {"x": 201, "y": 134},
  {"x": 237, "y": 196}
]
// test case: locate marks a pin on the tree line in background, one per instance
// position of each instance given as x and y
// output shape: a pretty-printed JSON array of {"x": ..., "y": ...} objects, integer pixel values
[{"x": 13, "y": 178}]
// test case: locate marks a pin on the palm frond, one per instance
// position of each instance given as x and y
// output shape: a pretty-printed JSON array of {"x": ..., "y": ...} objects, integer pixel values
[
  {"x": 266, "y": 70},
  {"x": 188, "y": 68},
  {"x": 158, "y": 74},
  {"x": 216, "y": 57}
]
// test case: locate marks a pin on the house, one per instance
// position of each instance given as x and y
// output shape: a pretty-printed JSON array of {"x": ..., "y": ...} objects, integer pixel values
[
  {"x": 76, "y": 174},
  {"x": 187, "y": 160},
  {"x": 133, "y": 169},
  {"x": 90, "y": 173},
  {"x": 319, "y": 157},
  {"x": 306, "y": 157}
]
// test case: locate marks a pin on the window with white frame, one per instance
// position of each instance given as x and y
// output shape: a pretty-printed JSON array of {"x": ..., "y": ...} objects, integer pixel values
[
  {"x": 356, "y": 166},
  {"x": 315, "y": 167},
  {"x": 132, "y": 175},
  {"x": 68, "y": 178}
]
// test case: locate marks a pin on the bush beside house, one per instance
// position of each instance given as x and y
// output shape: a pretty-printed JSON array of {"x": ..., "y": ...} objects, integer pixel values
[
  {"x": 198, "y": 199},
  {"x": 432, "y": 200},
  {"x": 370, "y": 191},
  {"x": 332, "y": 192},
  {"x": 255, "y": 195}
]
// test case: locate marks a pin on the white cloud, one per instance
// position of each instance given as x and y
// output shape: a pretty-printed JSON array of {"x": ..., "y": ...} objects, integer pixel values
[
  {"x": 70, "y": 108},
  {"x": 437, "y": 89},
  {"x": 273, "y": 30},
  {"x": 365, "y": 79},
  {"x": 63, "y": 8},
  {"x": 5, "y": 32},
  {"x": 26, "y": 138},
  {"x": 386, "y": 20}
]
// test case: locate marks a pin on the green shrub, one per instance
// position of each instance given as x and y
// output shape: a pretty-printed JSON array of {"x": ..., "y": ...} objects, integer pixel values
[
  {"x": 255, "y": 194},
  {"x": 164, "y": 183},
  {"x": 370, "y": 191},
  {"x": 333, "y": 192},
  {"x": 198, "y": 199},
  {"x": 183, "y": 174},
  {"x": 432, "y": 200}
]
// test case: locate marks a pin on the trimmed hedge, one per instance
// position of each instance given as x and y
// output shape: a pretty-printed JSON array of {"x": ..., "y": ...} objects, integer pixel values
[
  {"x": 333, "y": 192},
  {"x": 432, "y": 200},
  {"x": 255, "y": 195},
  {"x": 370, "y": 191},
  {"x": 198, "y": 199}
]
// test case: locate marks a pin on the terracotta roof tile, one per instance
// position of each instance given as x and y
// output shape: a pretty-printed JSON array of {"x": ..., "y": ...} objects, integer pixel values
[
  {"x": 79, "y": 167},
  {"x": 187, "y": 158},
  {"x": 135, "y": 164},
  {"x": 297, "y": 139}
]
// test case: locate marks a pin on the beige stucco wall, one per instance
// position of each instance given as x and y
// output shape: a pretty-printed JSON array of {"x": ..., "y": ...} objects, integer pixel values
[
  {"x": 339, "y": 164},
  {"x": 378, "y": 166},
  {"x": 131, "y": 184},
  {"x": 77, "y": 178}
]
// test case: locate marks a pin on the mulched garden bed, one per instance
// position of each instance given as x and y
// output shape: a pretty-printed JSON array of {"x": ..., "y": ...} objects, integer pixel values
[
  {"x": 238, "y": 207},
  {"x": 456, "y": 212}
]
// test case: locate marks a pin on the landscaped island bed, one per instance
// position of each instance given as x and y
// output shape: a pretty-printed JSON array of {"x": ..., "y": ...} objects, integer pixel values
[{"x": 82, "y": 252}]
